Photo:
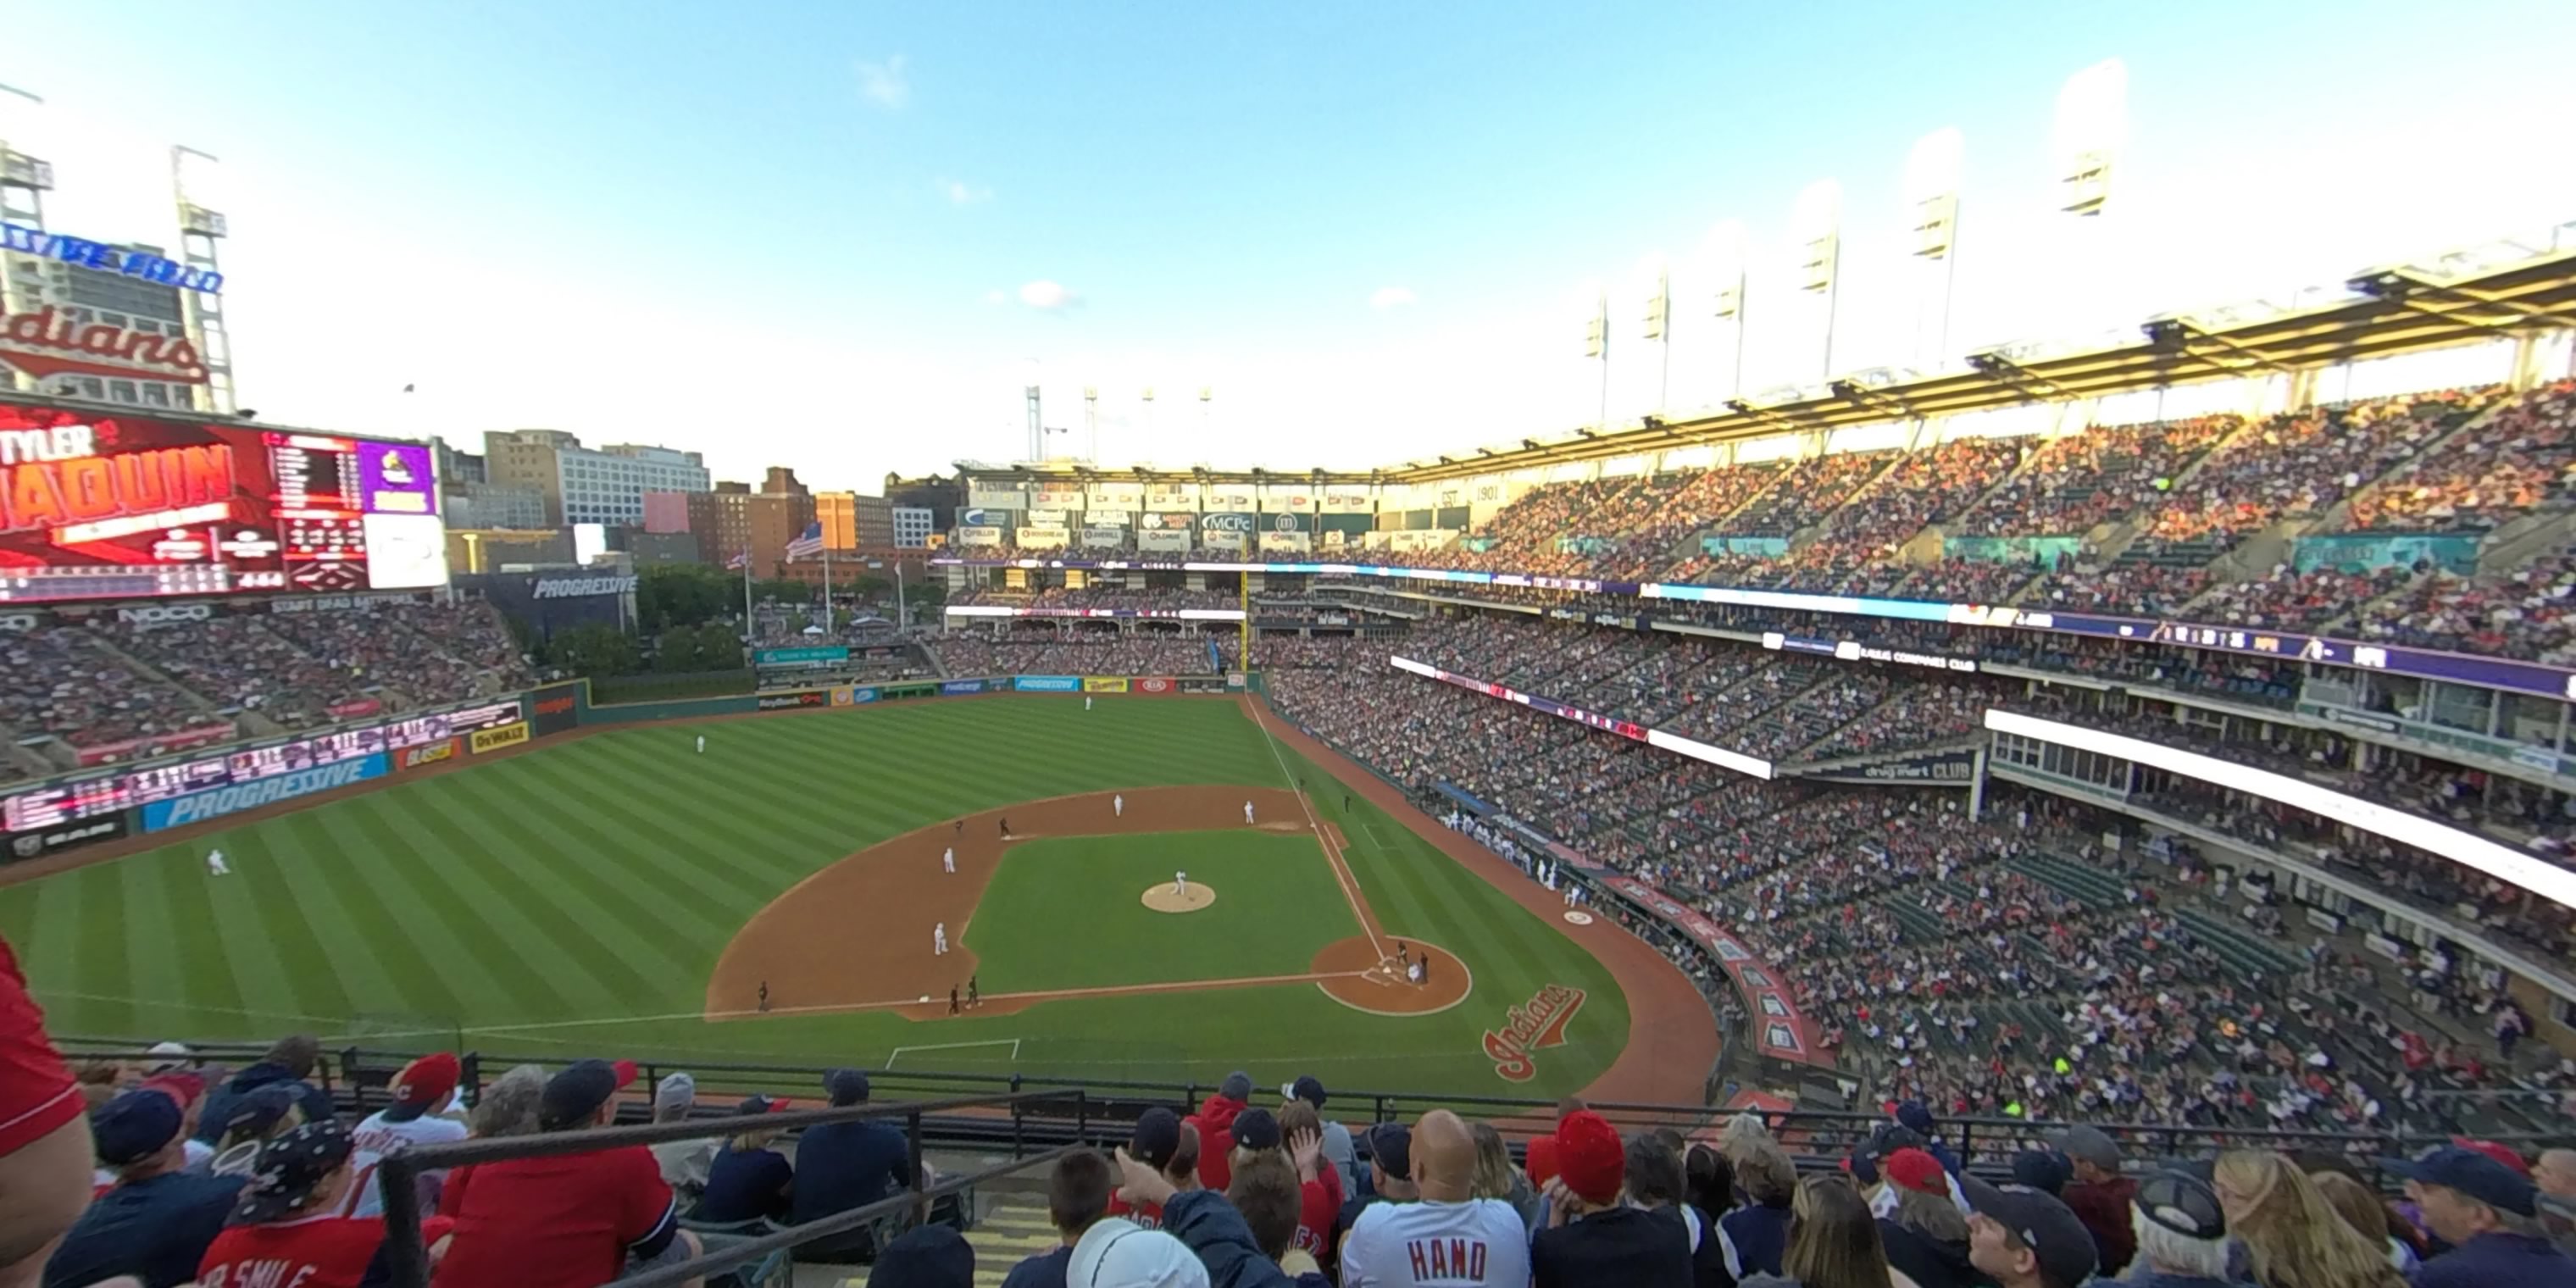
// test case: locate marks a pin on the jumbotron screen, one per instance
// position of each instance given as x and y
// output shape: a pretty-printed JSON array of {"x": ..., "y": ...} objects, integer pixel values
[{"x": 102, "y": 504}]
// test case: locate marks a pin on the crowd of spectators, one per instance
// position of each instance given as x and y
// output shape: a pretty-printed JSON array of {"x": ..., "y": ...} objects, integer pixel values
[
  {"x": 2299, "y": 465},
  {"x": 2521, "y": 461},
  {"x": 65, "y": 680},
  {"x": 1087, "y": 653},
  {"x": 1099, "y": 597}
]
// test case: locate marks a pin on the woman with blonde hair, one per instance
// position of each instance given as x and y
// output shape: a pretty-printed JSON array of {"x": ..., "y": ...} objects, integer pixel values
[
  {"x": 2366, "y": 1214},
  {"x": 1833, "y": 1242},
  {"x": 1496, "y": 1178},
  {"x": 2292, "y": 1236}
]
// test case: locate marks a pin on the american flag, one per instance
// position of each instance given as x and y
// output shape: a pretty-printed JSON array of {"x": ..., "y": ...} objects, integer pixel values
[
  {"x": 810, "y": 543},
  {"x": 742, "y": 560}
]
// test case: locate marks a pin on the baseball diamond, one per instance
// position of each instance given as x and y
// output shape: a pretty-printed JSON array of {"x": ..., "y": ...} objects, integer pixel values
[{"x": 614, "y": 889}]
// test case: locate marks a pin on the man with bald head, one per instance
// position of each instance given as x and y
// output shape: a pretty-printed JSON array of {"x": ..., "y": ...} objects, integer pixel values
[
  {"x": 1444, "y": 1239},
  {"x": 2555, "y": 1174}
]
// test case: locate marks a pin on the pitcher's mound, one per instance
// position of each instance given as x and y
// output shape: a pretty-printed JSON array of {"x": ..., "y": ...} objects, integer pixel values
[{"x": 1167, "y": 898}]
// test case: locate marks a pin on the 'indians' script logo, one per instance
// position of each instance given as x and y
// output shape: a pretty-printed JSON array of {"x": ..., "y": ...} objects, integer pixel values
[
  {"x": 1534, "y": 1027},
  {"x": 46, "y": 343}
]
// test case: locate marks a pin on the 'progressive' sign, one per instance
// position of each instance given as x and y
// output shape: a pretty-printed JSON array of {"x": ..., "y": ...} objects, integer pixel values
[{"x": 198, "y": 807}]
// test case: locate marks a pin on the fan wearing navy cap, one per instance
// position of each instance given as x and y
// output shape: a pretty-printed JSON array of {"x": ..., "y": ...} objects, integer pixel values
[
  {"x": 1338, "y": 1149},
  {"x": 1168, "y": 1144},
  {"x": 840, "y": 1166},
  {"x": 567, "y": 1221},
  {"x": 286, "y": 1229},
  {"x": 2181, "y": 1234},
  {"x": 421, "y": 1091},
  {"x": 2489, "y": 1216},
  {"x": 156, "y": 1222},
  {"x": 2023, "y": 1237}
]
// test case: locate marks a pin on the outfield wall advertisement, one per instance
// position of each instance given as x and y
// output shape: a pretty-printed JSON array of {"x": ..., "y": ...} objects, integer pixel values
[
  {"x": 554, "y": 709},
  {"x": 1046, "y": 683},
  {"x": 428, "y": 754},
  {"x": 198, "y": 807},
  {"x": 1104, "y": 684},
  {"x": 791, "y": 701},
  {"x": 484, "y": 741},
  {"x": 1780, "y": 1030}
]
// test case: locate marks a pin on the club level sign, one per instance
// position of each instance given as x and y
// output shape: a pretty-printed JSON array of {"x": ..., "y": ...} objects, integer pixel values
[{"x": 1535, "y": 1025}]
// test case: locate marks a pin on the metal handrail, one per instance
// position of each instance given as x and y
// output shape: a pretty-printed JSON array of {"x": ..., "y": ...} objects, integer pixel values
[{"x": 400, "y": 1171}]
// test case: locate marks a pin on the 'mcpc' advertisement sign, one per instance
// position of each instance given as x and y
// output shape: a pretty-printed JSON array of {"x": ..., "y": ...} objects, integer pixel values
[{"x": 198, "y": 807}]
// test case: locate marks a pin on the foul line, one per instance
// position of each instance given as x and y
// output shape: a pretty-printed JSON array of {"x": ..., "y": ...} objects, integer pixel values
[
  {"x": 1350, "y": 883},
  {"x": 1012, "y": 1043}
]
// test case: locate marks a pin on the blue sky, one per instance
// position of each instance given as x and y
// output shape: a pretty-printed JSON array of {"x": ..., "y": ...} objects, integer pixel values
[{"x": 810, "y": 233}]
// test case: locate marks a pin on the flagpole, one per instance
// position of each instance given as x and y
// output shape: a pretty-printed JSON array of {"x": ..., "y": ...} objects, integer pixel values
[
  {"x": 902, "y": 610},
  {"x": 747, "y": 629},
  {"x": 828, "y": 625}
]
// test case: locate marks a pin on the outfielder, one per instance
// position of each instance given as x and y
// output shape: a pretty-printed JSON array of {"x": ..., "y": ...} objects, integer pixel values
[
  {"x": 1247, "y": 813},
  {"x": 1118, "y": 805},
  {"x": 948, "y": 859},
  {"x": 215, "y": 866},
  {"x": 1086, "y": 702},
  {"x": 702, "y": 744},
  {"x": 939, "y": 940}
]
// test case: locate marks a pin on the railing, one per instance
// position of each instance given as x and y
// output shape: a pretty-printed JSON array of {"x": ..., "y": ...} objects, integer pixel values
[{"x": 408, "y": 1258}]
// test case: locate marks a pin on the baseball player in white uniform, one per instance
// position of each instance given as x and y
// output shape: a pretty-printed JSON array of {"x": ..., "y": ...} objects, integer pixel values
[
  {"x": 215, "y": 866},
  {"x": 1118, "y": 805},
  {"x": 939, "y": 940},
  {"x": 948, "y": 859},
  {"x": 1181, "y": 884},
  {"x": 702, "y": 744},
  {"x": 1247, "y": 813}
]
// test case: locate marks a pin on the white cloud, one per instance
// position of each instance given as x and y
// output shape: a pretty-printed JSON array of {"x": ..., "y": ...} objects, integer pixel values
[
  {"x": 884, "y": 83},
  {"x": 1390, "y": 297},
  {"x": 1049, "y": 297},
  {"x": 961, "y": 193}
]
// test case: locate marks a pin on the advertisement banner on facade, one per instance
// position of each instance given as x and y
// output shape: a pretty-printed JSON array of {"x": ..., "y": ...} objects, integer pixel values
[
  {"x": 1048, "y": 518},
  {"x": 1103, "y": 538},
  {"x": 815, "y": 655},
  {"x": 979, "y": 536},
  {"x": 1346, "y": 501},
  {"x": 1948, "y": 768},
  {"x": 1116, "y": 496},
  {"x": 1039, "y": 538},
  {"x": 552, "y": 709},
  {"x": 974, "y": 518},
  {"x": 1287, "y": 542},
  {"x": 790, "y": 701},
  {"x": 956, "y": 688},
  {"x": 1104, "y": 684},
  {"x": 854, "y": 695},
  {"x": 1156, "y": 684},
  {"x": 1235, "y": 542},
  {"x": 36, "y": 843},
  {"x": 197, "y": 807},
  {"x": 1234, "y": 521},
  {"x": 1167, "y": 521},
  {"x": 996, "y": 498},
  {"x": 1099, "y": 518},
  {"x": 1055, "y": 498},
  {"x": 508, "y": 735},
  {"x": 428, "y": 753},
  {"x": 1182, "y": 498},
  {"x": 1160, "y": 540},
  {"x": 1234, "y": 498},
  {"x": 1287, "y": 498},
  {"x": 1046, "y": 683}
]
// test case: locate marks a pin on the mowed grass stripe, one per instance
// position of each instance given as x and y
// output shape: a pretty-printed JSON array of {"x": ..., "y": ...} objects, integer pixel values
[
  {"x": 329, "y": 947},
  {"x": 573, "y": 925},
  {"x": 151, "y": 933},
  {"x": 508, "y": 913},
  {"x": 483, "y": 965},
  {"x": 348, "y": 923},
  {"x": 620, "y": 873},
  {"x": 405, "y": 880},
  {"x": 753, "y": 815},
  {"x": 405, "y": 969},
  {"x": 102, "y": 956},
  {"x": 645, "y": 827}
]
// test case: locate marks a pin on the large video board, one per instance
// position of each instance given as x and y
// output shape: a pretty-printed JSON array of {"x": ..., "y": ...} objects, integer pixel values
[{"x": 101, "y": 504}]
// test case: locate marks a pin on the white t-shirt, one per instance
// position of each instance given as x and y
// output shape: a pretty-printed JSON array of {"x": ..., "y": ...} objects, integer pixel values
[
  {"x": 375, "y": 1138},
  {"x": 1437, "y": 1245}
]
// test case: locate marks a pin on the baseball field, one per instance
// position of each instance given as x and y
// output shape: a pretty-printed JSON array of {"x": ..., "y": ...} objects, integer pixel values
[{"x": 781, "y": 897}]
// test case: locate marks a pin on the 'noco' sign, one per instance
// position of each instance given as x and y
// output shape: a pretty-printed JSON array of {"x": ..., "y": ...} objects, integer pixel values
[{"x": 109, "y": 259}]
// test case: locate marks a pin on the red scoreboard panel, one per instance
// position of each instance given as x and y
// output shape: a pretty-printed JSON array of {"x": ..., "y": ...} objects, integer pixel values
[{"x": 100, "y": 504}]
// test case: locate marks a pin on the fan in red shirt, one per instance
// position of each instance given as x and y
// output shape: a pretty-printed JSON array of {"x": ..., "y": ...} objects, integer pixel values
[
  {"x": 1168, "y": 1144},
  {"x": 44, "y": 1144},
  {"x": 570, "y": 1221},
  {"x": 286, "y": 1230}
]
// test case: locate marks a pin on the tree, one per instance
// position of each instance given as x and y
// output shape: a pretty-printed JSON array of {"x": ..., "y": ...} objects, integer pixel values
[
  {"x": 719, "y": 649},
  {"x": 594, "y": 650},
  {"x": 785, "y": 590},
  {"x": 676, "y": 651},
  {"x": 668, "y": 595}
]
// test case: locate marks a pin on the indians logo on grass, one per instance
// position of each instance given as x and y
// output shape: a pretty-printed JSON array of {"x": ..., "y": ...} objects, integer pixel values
[{"x": 1533, "y": 1027}]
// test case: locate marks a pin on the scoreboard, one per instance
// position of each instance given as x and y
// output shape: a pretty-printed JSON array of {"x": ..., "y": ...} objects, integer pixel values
[
  {"x": 116, "y": 791},
  {"x": 98, "y": 504}
]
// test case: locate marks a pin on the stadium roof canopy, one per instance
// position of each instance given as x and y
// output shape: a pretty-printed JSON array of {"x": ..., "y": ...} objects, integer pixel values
[{"x": 2503, "y": 290}]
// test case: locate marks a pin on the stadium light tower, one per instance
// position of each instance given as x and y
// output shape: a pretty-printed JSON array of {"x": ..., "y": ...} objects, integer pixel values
[
  {"x": 2091, "y": 131},
  {"x": 1091, "y": 415},
  {"x": 1724, "y": 258},
  {"x": 1932, "y": 207},
  {"x": 201, "y": 234},
  {"x": 1816, "y": 226},
  {"x": 1659, "y": 309},
  {"x": 1596, "y": 345}
]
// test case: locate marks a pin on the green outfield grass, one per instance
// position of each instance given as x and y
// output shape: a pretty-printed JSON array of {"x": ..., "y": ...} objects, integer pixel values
[
  {"x": 1277, "y": 903},
  {"x": 572, "y": 901}
]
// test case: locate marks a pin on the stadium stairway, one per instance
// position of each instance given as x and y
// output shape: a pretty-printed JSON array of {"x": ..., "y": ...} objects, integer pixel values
[
  {"x": 1013, "y": 1229},
  {"x": 2089, "y": 886}
]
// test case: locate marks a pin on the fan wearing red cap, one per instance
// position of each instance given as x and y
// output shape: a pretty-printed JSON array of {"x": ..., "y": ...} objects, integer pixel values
[
  {"x": 1592, "y": 1238},
  {"x": 570, "y": 1221},
  {"x": 1927, "y": 1235},
  {"x": 421, "y": 1091}
]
